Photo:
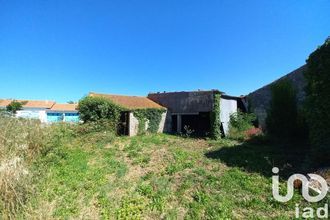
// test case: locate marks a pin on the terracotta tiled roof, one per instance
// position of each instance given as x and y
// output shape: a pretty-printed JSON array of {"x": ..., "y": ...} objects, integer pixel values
[
  {"x": 29, "y": 103},
  {"x": 4, "y": 103},
  {"x": 130, "y": 102},
  {"x": 64, "y": 107},
  {"x": 38, "y": 104}
]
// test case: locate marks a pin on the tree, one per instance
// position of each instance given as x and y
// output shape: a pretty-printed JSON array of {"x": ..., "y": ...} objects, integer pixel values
[
  {"x": 318, "y": 103},
  {"x": 14, "y": 106}
]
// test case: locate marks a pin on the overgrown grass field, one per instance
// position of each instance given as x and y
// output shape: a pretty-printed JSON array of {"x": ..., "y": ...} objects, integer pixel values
[{"x": 97, "y": 175}]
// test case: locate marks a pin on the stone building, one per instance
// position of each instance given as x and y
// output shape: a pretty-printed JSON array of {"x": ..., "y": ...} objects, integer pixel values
[
  {"x": 185, "y": 111},
  {"x": 129, "y": 123},
  {"x": 190, "y": 111}
]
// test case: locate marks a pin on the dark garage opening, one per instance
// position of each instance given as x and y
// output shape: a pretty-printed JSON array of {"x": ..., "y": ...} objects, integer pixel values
[
  {"x": 199, "y": 124},
  {"x": 174, "y": 123},
  {"x": 123, "y": 128}
]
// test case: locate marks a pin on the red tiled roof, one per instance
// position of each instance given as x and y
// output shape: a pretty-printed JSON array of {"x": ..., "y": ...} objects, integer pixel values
[
  {"x": 38, "y": 104},
  {"x": 4, "y": 103},
  {"x": 130, "y": 102},
  {"x": 29, "y": 103},
  {"x": 64, "y": 107}
]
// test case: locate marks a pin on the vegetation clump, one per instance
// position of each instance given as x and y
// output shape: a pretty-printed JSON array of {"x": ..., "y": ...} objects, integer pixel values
[
  {"x": 285, "y": 120},
  {"x": 215, "y": 118},
  {"x": 22, "y": 143},
  {"x": 98, "y": 108},
  {"x": 14, "y": 106},
  {"x": 318, "y": 103},
  {"x": 241, "y": 125},
  {"x": 99, "y": 113}
]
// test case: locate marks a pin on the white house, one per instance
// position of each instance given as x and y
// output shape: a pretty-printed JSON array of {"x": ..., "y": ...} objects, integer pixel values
[{"x": 45, "y": 111}]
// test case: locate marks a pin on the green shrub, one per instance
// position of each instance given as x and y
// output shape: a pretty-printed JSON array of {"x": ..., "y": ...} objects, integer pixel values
[
  {"x": 14, "y": 106},
  {"x": 318, "y": 103},
  {"x": 239, "y": 124},
  {"x": 93, "y": 109}
]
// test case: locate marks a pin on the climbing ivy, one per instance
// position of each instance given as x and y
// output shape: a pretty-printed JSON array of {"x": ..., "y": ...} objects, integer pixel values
[
  {"x": 215, "y": 118},
  {"x": 152, "y": 115},
  {"x": 318, "y": 103}
]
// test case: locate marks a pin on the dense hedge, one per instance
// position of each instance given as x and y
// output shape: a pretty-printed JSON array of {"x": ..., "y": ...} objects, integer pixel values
[
  {"x": 93, "y": 109},
  {"x": 215, "y": 118},
  {"x": 318, "y": 103},
  {"x": 152, "y": 115}
]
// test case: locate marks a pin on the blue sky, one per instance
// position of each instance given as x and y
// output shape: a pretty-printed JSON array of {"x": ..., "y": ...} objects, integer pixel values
[{"x": 63, "y": 49}]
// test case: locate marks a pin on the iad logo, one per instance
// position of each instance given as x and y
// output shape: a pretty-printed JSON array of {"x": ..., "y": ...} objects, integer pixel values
[
  {"x": 321, "y": 191},
  {"x": 306, "y": 185}
]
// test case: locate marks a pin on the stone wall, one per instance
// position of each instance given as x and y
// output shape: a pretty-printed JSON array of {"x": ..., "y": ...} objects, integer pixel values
[
  {"x": 134, "y": 124},
  {"x": 259, "y": 100},
  {"x": 162, "y": 127}
]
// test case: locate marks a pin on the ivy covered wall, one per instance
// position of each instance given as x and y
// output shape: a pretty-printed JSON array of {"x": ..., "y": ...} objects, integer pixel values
[
  {"x": 215, "y": 117},
  {"x": 150, "y": 117}
]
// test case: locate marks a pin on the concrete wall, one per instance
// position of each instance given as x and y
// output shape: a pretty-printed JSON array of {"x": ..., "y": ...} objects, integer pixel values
[
  {"x": 181, "y": 103},
  {"x": 133, "y": 125},
  {"x": 259, "y": 100},
  {"x": 185, "y": 102},
  {"x": 33, "y": 114},
  {"x": 162, "y": 128}
]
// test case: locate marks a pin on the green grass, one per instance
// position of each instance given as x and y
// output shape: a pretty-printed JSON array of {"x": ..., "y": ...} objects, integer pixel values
[{"x": 159, "y": 176}]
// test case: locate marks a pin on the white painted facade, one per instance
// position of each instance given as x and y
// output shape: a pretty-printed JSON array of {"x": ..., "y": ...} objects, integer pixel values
[
  {"x": 133, "y": 125},
  {"x": 33, "y": 113},
  {"x": 227, "y": 108}
]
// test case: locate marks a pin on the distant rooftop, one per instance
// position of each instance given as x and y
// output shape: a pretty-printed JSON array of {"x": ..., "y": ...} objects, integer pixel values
[
  {"x": 129, "y": 102},
  {"x": 64, "y": 107},
  {"x": 29, "y": 103},
  {"x": 199, "y": 90}
]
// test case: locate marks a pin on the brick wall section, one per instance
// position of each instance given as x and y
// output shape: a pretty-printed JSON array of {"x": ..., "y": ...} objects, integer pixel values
[{"x": 259, "y": 100}]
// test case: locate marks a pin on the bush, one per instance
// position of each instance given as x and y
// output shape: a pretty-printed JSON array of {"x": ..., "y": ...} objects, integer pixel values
[
  {"x": 93, "y": 109},
  {"x": 14, "y": 106},
  {"x": 282, "y": 116},
  {"x": 239, "y": 125},
  {"x": 318, "y": 103}
]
